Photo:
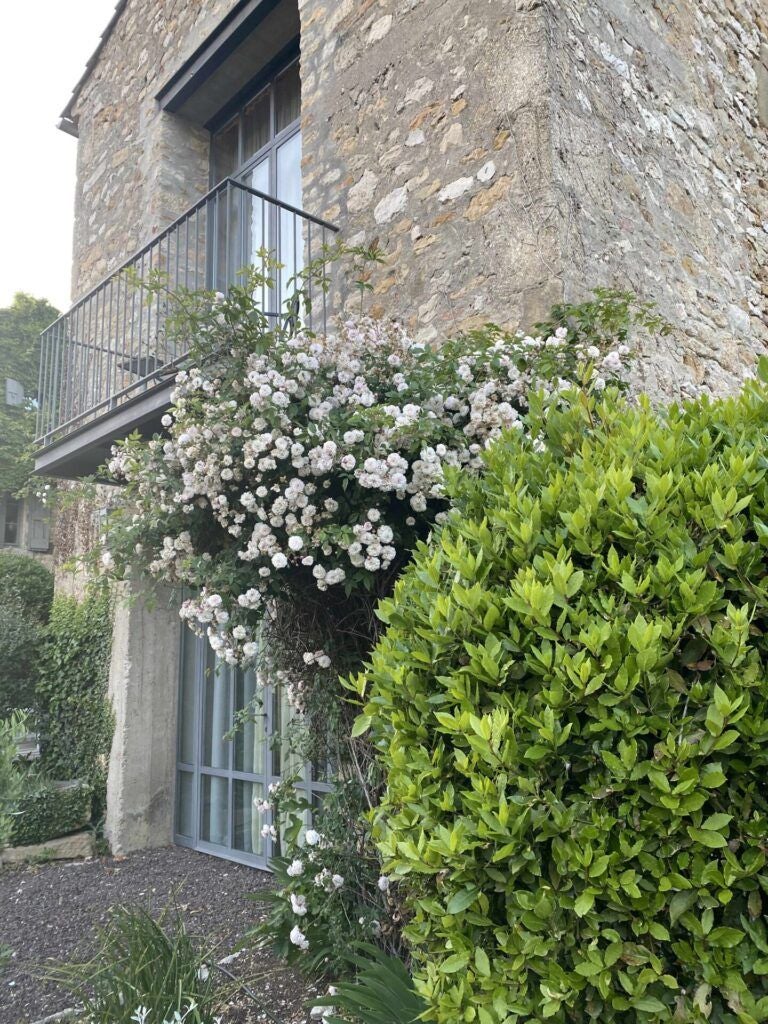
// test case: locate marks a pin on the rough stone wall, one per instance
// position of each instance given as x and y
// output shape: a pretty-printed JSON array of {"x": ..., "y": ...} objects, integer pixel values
[
  {"x": 427, "y": 124},
  {"x": 661, "y": 159},
  {"x": 506, "y": 153},
  {"x": 138, "y": 167},
  {"x": 510, "y": 152}
]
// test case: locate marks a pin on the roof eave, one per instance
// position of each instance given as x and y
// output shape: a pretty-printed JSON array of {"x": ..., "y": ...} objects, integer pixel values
[{"x": 68, "y": 122}]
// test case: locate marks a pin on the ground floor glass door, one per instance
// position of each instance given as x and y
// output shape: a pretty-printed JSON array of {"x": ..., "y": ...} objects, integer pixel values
[{"x": 223, "y": 776}]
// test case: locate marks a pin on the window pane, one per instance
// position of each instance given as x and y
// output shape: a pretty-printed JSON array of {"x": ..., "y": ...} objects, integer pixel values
[
  {"x": 291, "y": 245},
  {"x": 286, "y": 762},
  {"x": 226, "y": 157},
  {"x": 192, "y": 650},
  {"x": 11, "y": 535},
  {"x": 217, "y": 721},
  {"x": 247, "y": 817},
  {"x": 288, "y": 97},
  {"x": 250, "y": 739},
  {"x": 213, "y": 827},
  {"x": 256, "y": 125},
  {"x": 185, "y": 805}
]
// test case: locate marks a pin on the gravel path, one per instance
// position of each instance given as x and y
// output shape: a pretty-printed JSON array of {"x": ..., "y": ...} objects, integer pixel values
[{"x": 51, "y": 910}]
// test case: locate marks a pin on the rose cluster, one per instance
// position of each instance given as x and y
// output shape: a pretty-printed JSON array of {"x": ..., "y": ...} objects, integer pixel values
[{"x": 318, "y": 461}]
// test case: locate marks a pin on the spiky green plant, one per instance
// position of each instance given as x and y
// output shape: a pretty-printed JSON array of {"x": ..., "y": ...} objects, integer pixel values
[
  {"x": 144, "y": 968},
  {"x": 382, "y": 992}
]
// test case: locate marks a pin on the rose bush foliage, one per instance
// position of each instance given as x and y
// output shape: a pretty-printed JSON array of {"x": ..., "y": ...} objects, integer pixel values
[
  {"x": 296, "y": 461},
  {"x": 571, "y": 703}
]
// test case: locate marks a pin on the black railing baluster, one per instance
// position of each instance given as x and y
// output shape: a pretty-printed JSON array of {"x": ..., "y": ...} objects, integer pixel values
[
  {"x": 104, "y": 351},
  {"x": 325, "y": 287},
  {"x": 308, "y": 278},
  {"x": 264, "y": 244}
]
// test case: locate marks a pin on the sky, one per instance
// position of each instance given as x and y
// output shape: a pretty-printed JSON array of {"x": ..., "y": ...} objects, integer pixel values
[{"x": 44, "y": 46}]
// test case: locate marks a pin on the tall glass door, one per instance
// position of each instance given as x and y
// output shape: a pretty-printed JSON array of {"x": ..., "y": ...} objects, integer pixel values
[
  {"x": 260, "y": 146},
  {"x": 223, "y": 775}
]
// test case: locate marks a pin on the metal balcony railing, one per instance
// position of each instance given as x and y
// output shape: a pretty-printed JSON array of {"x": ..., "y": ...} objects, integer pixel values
[{"x": 112, "y": 346}]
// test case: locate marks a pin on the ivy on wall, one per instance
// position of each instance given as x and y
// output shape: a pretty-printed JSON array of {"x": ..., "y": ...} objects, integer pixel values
[
  {"x": 26, "y": 593},
  {"x": 46, "y": 811},
  {"x": 75, "y": 717}
]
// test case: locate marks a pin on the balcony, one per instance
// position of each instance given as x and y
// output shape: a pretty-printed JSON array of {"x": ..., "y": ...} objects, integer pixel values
[{"x": 107, "y": 366}]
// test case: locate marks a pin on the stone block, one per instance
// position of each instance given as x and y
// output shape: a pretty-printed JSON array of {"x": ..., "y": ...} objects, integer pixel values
[{"x": 74, "y": 847}]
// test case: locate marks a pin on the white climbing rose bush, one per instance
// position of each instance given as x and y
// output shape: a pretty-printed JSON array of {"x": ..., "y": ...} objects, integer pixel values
[{"x": 294, "y": 460}]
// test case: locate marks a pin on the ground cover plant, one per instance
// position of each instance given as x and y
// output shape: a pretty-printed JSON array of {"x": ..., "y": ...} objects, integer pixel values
[
  {"x": 571, "y": 705},
  {"x": 145, "y": 971}
]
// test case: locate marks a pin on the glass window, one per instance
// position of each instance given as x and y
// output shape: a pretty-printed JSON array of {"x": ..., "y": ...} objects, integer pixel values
[
  {"x": 251, "y": 736},
  {"x": 11, "y": 529},
  {"x": 257, "y": 128},
  {"x": 226, "y": 150},
  {"x": 216, "y": 746},
  {"x": 248, "y": 818},
  {"x": 214, "y": 826},
  {"x": 288, "y": 97},
  {"x": 253, "y": 130},
  {"x": 185, "y": 805},
  {"x": 191, "y": 668}
]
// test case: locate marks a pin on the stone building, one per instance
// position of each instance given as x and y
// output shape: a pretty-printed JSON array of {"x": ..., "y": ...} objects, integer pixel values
[{"x": 506, "y": 153}]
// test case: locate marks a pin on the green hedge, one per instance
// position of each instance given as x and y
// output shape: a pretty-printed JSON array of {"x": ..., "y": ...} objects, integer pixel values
[
  {"x": 11, "y": 773},
  {"x": 46, "y": 811},
  {"x": 75, "y": 717},
  {"x": 26, "y": 593},
  {"x": 30, "y": 582},
  {"x": 571, "y": 701}
]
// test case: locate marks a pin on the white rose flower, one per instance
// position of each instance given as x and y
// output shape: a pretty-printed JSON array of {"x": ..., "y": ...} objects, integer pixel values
[
  {"x": 299, "y": 905},
  {"x": 298, "y": 938},
  {"x": 279, "y": 560}
]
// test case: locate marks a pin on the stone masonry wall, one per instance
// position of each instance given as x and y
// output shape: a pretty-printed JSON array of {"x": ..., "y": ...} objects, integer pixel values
[
  {"x": 138, "y": 168},
  {"x": 661, "y": 159},
  {"x": 511, "y": 152},
  {"x": 426, "y": 124},
  {"x": 506, "y": 154}
]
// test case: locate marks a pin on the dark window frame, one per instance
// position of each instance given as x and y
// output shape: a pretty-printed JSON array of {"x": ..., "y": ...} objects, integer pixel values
[
  {"x": 9, "y": 500},
  {"x": 234, "y": 112}
]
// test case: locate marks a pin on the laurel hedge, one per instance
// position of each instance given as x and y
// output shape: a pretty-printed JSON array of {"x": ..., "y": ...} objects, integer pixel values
[
  {"x": 48, "y": 810},
  {"x": 26, "y": 593},
  {"x": 75, "y": 718},
  {"x": 571, "y": 703}
]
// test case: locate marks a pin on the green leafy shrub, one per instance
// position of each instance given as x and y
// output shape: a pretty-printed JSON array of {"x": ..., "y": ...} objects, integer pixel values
[
  {"x": 144, "y": 972},
  {"x": 31, "y": 583},
  {"x": 26, "y": 593},
  {"x": 47, "y": 810},
  {"x": 20, "y": 640},
  {"x": 326, "y": 901},
  {"x": 11, "y": 776},
  {"x": 571, "y": 702},
  {"x": 75, "y": 717}
]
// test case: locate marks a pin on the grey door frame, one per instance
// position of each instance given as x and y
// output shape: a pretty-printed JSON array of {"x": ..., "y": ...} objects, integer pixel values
[{"x": 307, "y": 785}]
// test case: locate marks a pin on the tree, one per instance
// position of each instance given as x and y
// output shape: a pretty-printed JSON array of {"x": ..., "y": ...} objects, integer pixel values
[{"x": 21, "y": 324}]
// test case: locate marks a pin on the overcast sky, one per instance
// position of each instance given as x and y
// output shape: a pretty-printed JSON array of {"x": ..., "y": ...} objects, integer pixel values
[{"x": 44, "y": 46}]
